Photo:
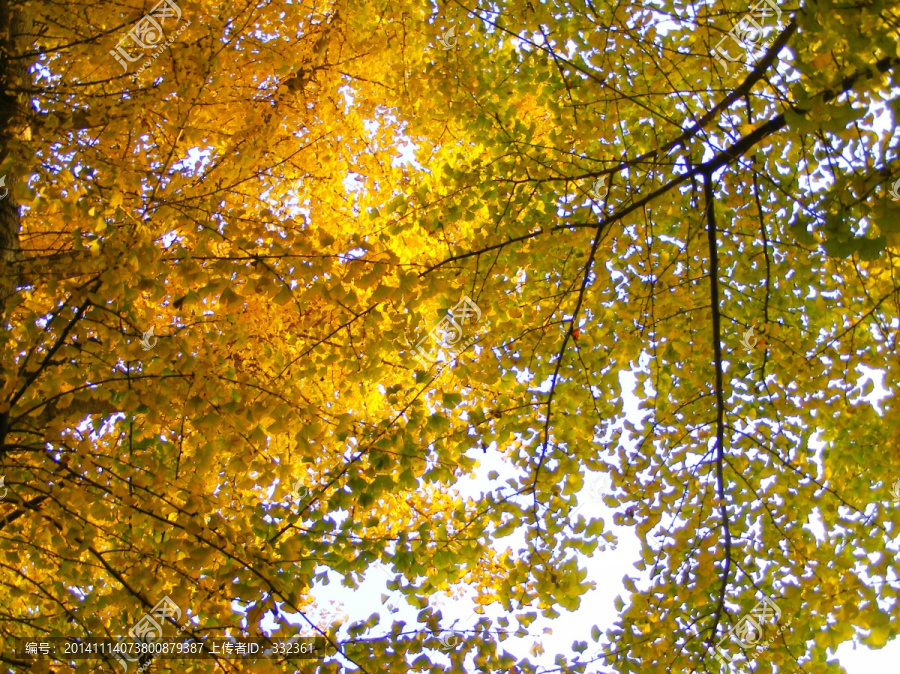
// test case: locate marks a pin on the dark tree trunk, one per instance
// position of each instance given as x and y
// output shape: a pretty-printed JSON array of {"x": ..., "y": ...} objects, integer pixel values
[{"x": 15, "y": 42}]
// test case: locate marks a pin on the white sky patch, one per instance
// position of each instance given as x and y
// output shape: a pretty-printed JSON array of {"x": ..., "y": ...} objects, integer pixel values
[{"x": 871, "y": 388}]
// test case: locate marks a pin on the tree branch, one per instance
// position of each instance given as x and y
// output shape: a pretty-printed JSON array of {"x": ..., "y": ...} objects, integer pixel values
[{"x": 709, "y": 199}]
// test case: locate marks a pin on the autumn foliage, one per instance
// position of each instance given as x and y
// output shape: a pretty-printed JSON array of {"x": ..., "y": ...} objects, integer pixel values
[{"x": 293, "y": 195}]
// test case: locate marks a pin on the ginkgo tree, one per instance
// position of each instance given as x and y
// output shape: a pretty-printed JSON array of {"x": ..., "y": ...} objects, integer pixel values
[{"x": 229, "y": 228}]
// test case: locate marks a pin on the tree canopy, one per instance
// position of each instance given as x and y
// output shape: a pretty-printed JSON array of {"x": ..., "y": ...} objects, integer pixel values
[{"x": 224, "y": 243}]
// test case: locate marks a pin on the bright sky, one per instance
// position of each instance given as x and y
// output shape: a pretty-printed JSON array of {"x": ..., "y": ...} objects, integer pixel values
[{"x": 606, "y": 569}]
